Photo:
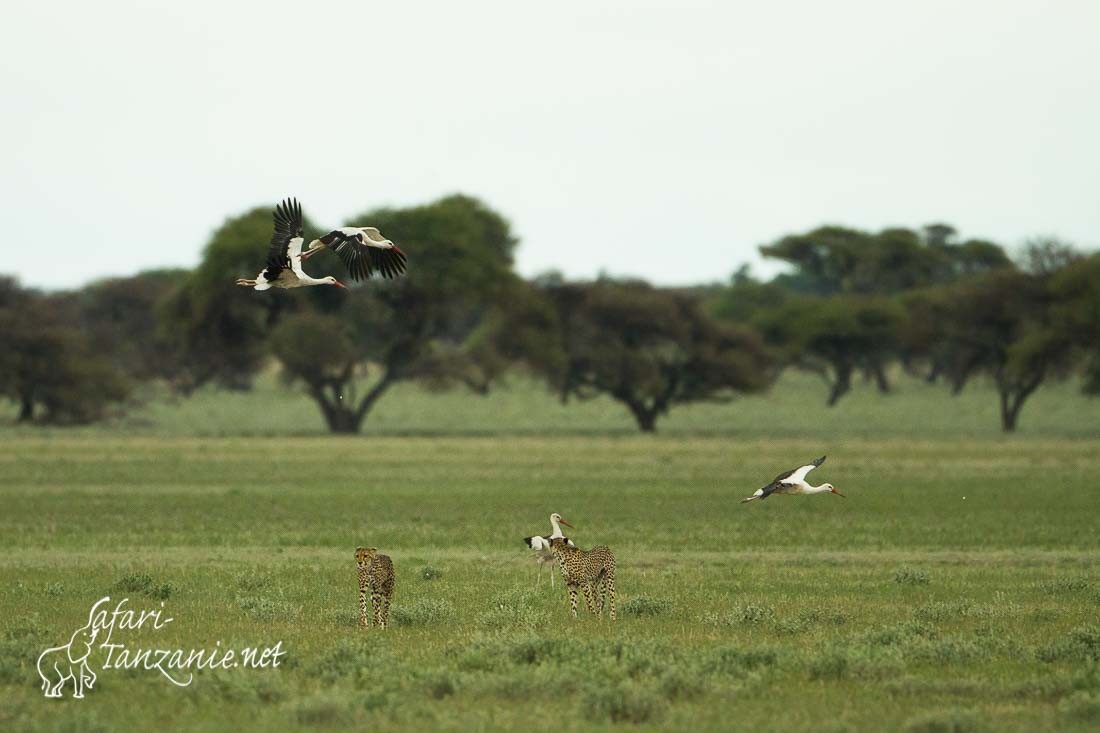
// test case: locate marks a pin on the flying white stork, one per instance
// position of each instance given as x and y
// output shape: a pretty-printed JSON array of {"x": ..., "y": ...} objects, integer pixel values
[
  {"x": 541, "y": 545},
  {"x": 794, "y": 482},
  {"x": 364, "y": 250},
  {"x": 284, "y": 257}
]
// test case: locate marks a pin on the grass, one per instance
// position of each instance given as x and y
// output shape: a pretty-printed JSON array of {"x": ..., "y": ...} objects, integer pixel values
[
  {"x": 794, "y": 408},
  {"x": 954, "y": 590}
]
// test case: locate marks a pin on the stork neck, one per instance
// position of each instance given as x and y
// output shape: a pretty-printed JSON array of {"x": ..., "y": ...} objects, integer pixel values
[
  {"x": 557, "y": 529},
  {"x": 816, "y": 489}
]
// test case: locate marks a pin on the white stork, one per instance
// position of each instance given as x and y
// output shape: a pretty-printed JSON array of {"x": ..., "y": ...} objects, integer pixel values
[
  {"x": 541, "y": 545},
  {"x": 794, "y": 482},
  {"x": 284, "y": 257},
  {"x": 364, "y": 250}
]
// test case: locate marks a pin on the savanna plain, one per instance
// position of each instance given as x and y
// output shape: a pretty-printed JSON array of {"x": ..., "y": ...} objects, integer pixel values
[{"x": 954, "y": 589}]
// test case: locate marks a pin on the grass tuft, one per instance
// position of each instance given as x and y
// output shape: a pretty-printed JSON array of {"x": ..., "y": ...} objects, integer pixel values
[{"x": 906, "y": 575}]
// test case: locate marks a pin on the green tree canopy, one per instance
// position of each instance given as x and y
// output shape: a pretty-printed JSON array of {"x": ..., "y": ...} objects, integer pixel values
[
  {"x": 647, "y": 348},
  {"x": 429, "y": 325},
  {"x": 831, "y": 259},
  {"x": 49, "y": 366},
  {"x": 1000, "y": 324},
  {"x": 836, "y": 337},
  {"x": 216, "y": 328}
]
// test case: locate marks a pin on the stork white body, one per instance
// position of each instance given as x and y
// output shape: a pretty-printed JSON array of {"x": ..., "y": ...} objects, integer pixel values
[
  {"x": 794, "y": 482},
  {"x": 363, "y": 250},
  {"x": 541, "y": 546},
  {"x": 284, "y": 257}
]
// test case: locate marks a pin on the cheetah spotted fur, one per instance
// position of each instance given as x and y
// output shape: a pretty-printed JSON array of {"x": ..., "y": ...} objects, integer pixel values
[
  {"x": 376, "y": 575},
  {"x": 593, "y": 571}
]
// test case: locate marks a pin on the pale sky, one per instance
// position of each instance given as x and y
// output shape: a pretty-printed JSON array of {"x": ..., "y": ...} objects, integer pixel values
[{"x": 659, "y": 139}]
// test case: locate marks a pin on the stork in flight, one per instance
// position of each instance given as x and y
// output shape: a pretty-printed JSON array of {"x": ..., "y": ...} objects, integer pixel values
[
  {"x": 794, "y": 482},
  {"x": 541, "y": 545},
  {"x": 284, "y": 257},
  {"x": 363, "y": 250}
]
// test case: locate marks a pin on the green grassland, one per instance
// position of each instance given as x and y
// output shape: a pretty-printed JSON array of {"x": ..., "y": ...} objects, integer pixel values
[{"x": 955, "y": 589}]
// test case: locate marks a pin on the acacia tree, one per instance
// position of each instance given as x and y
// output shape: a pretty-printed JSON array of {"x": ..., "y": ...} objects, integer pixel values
[
  {"x": 428, "y": 325},
  {"x": 1075, "y": 313},
  {"x": 646, "y": 348},
  {"x": 831, "y": 259},
  {"x": 836, "y": 337},
  {"x": 217, "y": 329},
  {"x": 120, "y": 315},
  {"x": 1000, "y": 324},
  {"x": 49, "y": 366}
]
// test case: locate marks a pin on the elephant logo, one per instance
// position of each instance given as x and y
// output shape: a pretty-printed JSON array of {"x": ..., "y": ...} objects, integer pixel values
[{"x": 57, "y": 665}]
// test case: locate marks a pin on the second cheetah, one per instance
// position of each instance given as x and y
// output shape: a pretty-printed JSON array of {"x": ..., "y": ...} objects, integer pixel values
[
  {"x": 376, "y": 575},
  {"x": 591, "y": 570}
]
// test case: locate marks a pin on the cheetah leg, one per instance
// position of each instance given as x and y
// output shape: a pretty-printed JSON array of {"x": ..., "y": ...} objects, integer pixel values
[
  {"x": 611, "y": 591},
  {"x": 573, "y": 599},
  {"x": 363, "y": 606},
  {"x": 601, "y": 593},
  {"x": 376, "y": 601},
  {"x": 386, "y": 611},
  {"x": 589, "y": 591}
]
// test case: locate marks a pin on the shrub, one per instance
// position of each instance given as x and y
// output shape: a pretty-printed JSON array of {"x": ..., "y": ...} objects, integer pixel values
[
  {"x": 422, "y": 612},
  {"x": 911, "y": 576},
  {"x": 946, "y": 721},
  {"x": 321, "y": 709},
  {"x": 516, "y": 608},
  {"x": 144, "y": 584},
  {"x": 233, "y": 686},
  {"x": 645, "y": 606},
  {"x": 1080, "y": 644},
  {"x": 253, "y": 581},
  {"x": 734, "y": 661},
  {"x": 440, "y": 685},
  {"x": 681, "y": 684},
  {"x": 348, "y": 657},
  {"x": 624, "y": 703},
  {"x": 1083, "y": 706},
  {"x": 265, "y": 608},
  {"x": 429, "y": 573},
  {"x": 19, "y": 650},
  {"x": 857, "y": 662},
  {"x": 1060, "y": 585}
]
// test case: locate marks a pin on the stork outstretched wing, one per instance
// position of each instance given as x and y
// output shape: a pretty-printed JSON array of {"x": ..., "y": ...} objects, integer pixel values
[
  {"x": 361, "y": 258},
  {"x": 286, "y": 237}
]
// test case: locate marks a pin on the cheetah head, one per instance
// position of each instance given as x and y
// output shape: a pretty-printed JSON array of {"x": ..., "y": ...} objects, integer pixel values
[{"x": 363, "y": 556}]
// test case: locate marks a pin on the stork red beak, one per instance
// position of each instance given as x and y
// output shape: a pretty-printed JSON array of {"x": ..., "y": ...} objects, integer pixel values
[
  {"x": 339, "y": 284},
  {"x": 567, "y": 524},
  {"x": 842, "y": 496}
]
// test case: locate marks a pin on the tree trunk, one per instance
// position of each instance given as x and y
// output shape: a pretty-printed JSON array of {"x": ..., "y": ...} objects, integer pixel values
[
  {"x": 26, "y": 409},
  {"x": 1009, "y": 413},
  {"x": 933, "y": 373},
  {"x": 841, "y": 385},
  {"x": 880, "y": 378},
  {"x": 1013, "y": 398},
  {"x": 342, "y": 421},
  {"x": 646, "y": 418}
]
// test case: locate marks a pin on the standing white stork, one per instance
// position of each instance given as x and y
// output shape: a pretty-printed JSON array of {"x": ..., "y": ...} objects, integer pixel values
[
  {"x": 541, "y": 545},
  {"x": 794, "y": 482},
  {"x": 284, "y": 257},
  {"x": 364, "y": 250}
]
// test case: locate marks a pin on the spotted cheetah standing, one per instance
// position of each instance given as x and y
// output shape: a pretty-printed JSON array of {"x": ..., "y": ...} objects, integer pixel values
[
  {"x": 591, "y": 570},
  {"x": 376, "y": 574}
]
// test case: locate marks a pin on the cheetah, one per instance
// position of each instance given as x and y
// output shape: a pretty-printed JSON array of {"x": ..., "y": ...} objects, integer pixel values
[
  {"x": 591, "y": 570},
  {"x": 376, "y": 574}
]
